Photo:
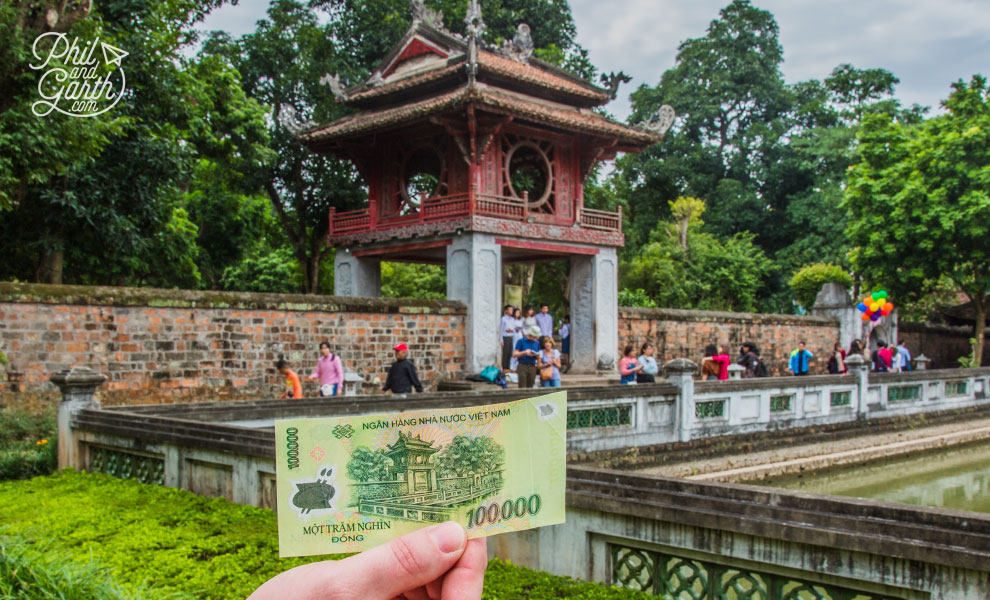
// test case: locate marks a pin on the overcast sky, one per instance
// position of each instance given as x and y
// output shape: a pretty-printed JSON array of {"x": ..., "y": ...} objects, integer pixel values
[{"x": 928, "y": 44}]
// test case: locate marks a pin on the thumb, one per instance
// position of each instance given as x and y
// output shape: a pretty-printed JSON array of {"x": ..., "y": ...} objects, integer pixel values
[{"x": 404, "y": 563}]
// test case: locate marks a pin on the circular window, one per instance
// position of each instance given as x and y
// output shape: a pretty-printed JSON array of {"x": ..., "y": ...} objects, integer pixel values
[
  {"x": 422, "y": 177},
  {"x": 529, "y": 171}
]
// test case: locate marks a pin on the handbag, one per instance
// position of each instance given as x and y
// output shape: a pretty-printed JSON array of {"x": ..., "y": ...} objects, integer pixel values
[
  {"x": 546, "y": 373},
  {"x": 490, "y": 373}
]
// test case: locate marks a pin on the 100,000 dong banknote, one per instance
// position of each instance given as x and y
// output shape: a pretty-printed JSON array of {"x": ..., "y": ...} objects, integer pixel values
[{"x": 349, "y": 483}]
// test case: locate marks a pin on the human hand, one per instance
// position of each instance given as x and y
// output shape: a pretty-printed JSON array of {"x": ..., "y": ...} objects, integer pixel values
[{"x": 434, "y": 563}]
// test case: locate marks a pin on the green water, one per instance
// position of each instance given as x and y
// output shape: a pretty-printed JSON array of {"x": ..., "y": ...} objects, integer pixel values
[{"x": 957, "y": 478}]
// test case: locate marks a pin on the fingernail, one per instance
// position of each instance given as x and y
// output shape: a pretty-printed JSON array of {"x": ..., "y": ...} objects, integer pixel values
[{"x": 449, "y": 537}]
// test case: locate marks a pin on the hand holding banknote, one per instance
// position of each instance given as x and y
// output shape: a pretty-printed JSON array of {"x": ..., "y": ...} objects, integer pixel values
[{"x": 438, "y": 563}]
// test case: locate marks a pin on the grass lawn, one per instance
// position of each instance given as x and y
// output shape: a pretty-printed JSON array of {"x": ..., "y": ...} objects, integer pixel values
[{"x": 182, "y": 545}]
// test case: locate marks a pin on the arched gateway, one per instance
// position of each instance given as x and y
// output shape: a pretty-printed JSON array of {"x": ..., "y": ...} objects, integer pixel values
[{"x": 475, "y": 157}]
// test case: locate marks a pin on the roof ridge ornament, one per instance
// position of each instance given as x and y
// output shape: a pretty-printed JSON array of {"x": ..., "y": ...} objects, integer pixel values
[
  {"x": 660, "y": 121},
  {"x": 290, "y": 119},
  {"x": 474, "y": 25},
  {"x": 423, "y": 14},
  {"x": 336, "y": 87},
  {"x": 520, "y": 48},
  {"x": 612, "y": 81}
]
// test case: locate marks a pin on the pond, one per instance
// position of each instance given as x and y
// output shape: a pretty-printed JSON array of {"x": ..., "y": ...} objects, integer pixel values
[{"x": 957, "y": 478}]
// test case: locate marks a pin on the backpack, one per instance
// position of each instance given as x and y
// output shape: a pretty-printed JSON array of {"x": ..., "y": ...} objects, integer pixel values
[
  {"x": 490, "y": 373},
  {"x": 760, "y": 369}
]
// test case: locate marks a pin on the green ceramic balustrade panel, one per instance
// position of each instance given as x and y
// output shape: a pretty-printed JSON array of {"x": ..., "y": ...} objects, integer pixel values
[
  {"x": 146, "y": 469},
  {"x": 781, "y": 403},
  {"x": 709, "y": 409},
  {"x": 904, "y": 393},
  {"x": 607, "y": 416},
  {"x": 956, "y": 388},
  {"x": 840, "y": 398},
  {"x": 679, "y": 578}
]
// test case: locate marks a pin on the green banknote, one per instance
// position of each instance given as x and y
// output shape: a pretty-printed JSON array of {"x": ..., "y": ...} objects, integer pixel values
[{"x": 346, "y": 484}]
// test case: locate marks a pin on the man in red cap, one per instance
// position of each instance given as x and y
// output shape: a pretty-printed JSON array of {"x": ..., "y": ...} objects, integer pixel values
[{"x": 402, "y": 374}]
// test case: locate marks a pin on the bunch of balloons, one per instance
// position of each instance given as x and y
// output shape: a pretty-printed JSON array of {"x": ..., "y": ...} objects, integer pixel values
[{"x": 875, "y": 306}]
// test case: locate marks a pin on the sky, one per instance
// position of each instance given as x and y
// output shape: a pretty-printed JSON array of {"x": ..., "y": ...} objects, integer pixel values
[{"x": 928, "y": 44}]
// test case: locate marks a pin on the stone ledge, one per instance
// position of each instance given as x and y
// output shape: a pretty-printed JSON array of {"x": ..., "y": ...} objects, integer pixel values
[
  {"x": 679, "y": 314},
  {"x": 36, "y": 293}
]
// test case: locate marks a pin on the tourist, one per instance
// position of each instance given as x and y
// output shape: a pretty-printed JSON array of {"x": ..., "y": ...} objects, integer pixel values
[
  {"x": 882, "y": 358},
  {"x": 715, "y": 364},
  {"x": 293, "y": 389},
  {"x": 545, "y": 321},
  {"x": 526, "y": 351},
  {"x": 800, "y": 360},
  {"x": 434, "y": 562},
  {"x": 565, "y": 342},
  {"x": 629, "y": 366},
  {"x": 518, "y": 324},
  {"x": 837, "y": 362},
  {"x": 903, "y": 357},
  {"x": 549, "y": 364},
  {"x": 749, "y": 359},
  {"x": 329, "y": 371},
  {"x": 709, "y": 366},
  {"x": 402, "y": 374},
  {"x": 507, "y": 330},
  {"x": 856, "y": 347},
  {"x": 529, "y": 318},
  {"x": 650, "y": 369}
]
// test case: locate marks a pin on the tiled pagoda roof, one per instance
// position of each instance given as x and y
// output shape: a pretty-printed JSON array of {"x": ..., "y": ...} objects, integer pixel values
[{"x": 522, "y": 106}]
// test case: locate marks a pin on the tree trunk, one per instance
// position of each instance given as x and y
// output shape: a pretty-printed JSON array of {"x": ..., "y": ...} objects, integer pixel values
[
  {"x": 980, "y": 305},
  {"x": 52, "y": 259}
]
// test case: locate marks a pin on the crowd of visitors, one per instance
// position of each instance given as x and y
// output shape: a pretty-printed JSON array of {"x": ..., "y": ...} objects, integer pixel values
[{"x": 529, "y": 350}]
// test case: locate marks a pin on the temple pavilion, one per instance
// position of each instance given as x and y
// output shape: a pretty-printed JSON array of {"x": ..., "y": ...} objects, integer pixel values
[{"x": 475, "y": 157}]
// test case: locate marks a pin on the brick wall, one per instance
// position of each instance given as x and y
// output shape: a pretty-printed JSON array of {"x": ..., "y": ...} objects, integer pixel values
[
  {"x": 942, "y": 344},
  {"x": 181, "y": 346},
  {"x": 685, "y": 333}
]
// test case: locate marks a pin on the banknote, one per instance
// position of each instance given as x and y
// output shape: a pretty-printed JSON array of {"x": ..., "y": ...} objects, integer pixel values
[{"x": 345, "y": 484}]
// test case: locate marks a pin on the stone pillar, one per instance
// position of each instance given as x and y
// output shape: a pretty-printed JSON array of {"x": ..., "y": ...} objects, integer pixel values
[
  {"x": 736, "y": 371},
  {"x": 474, "y": 276},
  {"x": 77, "y": 385},
  {"x": 833, "y": 301},
  {"x": 354, "y": 276},
  {"x": 921, "y": 362},
  {"x": 594, "y": 312},
  {"x": 859, "y": 370},
  {"x": 680, "y": 372}
]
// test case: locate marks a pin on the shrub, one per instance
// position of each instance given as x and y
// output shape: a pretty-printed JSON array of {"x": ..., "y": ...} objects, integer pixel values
[
  {"x": 28, "y": 572},
  {"x": 808, "y": 281},
  {"x": 202, "y": 547},
  {"x": 637, "y": 297},
  {"x": 27, "y": 444}
]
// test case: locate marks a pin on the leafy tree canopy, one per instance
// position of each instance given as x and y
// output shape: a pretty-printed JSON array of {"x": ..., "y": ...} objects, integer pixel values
[{"x": 919, "y": 202}]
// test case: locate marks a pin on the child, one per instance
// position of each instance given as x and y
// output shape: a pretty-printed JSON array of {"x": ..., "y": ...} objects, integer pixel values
[{"x": 293, "y": 389}]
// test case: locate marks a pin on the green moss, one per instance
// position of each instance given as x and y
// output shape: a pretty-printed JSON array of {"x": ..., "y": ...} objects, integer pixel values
[{"x": 201, "y": 547}]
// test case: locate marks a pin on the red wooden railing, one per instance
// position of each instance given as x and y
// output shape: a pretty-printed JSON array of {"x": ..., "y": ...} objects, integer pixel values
[{"x": 442, "y": 208}]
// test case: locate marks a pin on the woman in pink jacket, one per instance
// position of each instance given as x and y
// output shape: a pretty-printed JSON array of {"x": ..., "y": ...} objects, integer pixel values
[{"x": 329, "y": 371}]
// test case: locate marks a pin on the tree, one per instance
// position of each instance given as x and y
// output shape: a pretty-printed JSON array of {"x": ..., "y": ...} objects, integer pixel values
[
  {"x": 407, "y": 280},
  {"x": 706, "y": 272},
  {"x": 464, "y": 456},
  {"x": 919, "y": 202},
  {"x": 368, "y": 465},
  {"x": 808, "y": 281}
]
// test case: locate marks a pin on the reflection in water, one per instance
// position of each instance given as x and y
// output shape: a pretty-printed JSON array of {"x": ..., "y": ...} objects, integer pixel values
[{"x": 958, "y": 478}]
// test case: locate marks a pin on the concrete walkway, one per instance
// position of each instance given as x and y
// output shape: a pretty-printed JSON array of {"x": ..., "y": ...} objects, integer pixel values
[{"x": 759, "y": 465}]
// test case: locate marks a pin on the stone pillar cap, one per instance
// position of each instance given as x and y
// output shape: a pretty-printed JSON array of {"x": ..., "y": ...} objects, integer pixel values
[
  {"x": 78, "y": 377},
  {"x": 855, "y": 359},
  {"x": 680, "y": 365}
]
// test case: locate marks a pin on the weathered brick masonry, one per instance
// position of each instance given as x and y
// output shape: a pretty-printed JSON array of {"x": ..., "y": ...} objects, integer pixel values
[
  {"x": 685, "y": 333},
  {"x": 182, "y": 346}
]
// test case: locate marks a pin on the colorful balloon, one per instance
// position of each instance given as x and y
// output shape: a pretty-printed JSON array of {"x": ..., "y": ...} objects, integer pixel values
[
  {"x": 866, "y": 316},
  {"x": 882, "y": 294},
  {"x": 875, "y": 317},
  {"x": 874, "y": 307},
  {"x": 885, "y": 310},
  {"x": 862, "y": 307}
]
